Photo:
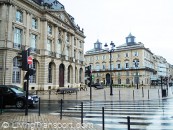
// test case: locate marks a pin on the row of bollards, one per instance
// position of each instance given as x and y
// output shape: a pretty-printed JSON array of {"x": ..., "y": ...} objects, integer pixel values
[
  {"x": 103, "y": 116},
  {"x": 148, "y": 94}
]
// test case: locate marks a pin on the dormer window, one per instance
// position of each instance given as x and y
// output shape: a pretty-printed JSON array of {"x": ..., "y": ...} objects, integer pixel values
[{"x": 129, "y": 40}]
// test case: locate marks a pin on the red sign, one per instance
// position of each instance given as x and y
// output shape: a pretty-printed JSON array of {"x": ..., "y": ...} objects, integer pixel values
[{"x": 29, "y": 60}]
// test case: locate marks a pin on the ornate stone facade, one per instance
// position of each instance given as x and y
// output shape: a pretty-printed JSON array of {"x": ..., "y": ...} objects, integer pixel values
[
  {"x": 56, "y": 42},
  {"x": 131, "y": 63}
]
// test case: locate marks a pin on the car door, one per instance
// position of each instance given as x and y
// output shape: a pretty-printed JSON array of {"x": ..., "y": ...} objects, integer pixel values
[
  {"x": 1, "y": 97},
  {"x": 8, "y": 96}
]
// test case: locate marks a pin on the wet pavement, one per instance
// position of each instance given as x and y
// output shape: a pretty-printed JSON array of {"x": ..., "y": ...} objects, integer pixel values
[
  {"x": 146, "y": 108},
  {"x": 144, "y": 115}
]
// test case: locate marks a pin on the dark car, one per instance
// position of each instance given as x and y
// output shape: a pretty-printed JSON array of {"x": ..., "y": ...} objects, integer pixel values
[
  {"x": 13, "y": 96},
  {"x": 97, "y": 86}
]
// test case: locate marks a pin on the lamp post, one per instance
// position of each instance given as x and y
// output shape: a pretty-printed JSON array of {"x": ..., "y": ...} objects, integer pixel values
[
  {"x": 110, "y": 52},
  {"x": 136, "y": 66}
]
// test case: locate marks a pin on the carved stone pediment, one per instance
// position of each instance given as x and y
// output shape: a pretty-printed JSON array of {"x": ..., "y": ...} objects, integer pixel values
[{"x": 62, "y": 15}]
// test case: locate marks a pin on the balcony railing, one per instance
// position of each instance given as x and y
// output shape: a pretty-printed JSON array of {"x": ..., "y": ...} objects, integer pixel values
[
  {"x": 34, "y": 50},
  {"x": 53, "y": 54},
  {"x": 17, "y": 46}
]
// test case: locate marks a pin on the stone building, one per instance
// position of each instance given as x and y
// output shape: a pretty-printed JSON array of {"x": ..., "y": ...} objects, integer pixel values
[
  {"x": 55, "y": 40},
  {"x": 131, "y": 63}
]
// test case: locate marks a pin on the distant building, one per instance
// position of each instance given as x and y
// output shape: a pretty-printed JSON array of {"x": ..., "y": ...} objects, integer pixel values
[
  {"x": 56, "y": 42},
  {"x": 131, "y": 63}
]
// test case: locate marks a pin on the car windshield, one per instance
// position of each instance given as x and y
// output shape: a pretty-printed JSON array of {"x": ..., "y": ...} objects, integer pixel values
[
  {"x": 18, "y": 88},
  {"x": 16, "y": 91}
]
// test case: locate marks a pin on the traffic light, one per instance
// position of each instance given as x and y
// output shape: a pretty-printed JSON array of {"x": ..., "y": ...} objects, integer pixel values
[
  {"x": 23, "y": 60},
  {"x": 88, "y": 73},
  {"x": 30, "y": 72}
]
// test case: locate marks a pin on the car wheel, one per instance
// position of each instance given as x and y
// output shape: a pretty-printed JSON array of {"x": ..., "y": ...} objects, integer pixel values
[{"x": 20, "y": 104}]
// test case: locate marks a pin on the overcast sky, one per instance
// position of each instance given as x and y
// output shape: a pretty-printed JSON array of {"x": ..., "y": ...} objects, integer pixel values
[{"x": 150, "y": 21}]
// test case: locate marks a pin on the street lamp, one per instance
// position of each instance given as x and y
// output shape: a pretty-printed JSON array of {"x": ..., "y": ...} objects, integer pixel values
[
  {"x": 110, "y": 52},
  {"x": 136, "y": 66}
]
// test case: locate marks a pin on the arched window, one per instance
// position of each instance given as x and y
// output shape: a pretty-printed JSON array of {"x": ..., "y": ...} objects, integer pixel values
[
  {"x": 16, "y": 71},
  {"x": 127, "y": 81},
  {"x": 50, "y": 73}
]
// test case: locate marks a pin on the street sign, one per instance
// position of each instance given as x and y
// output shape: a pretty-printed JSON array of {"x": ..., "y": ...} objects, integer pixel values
[{"x": 29, "y": 60}]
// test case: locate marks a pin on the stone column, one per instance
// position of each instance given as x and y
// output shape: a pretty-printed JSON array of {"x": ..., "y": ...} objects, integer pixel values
[
  {"x": 72, "y": 46},
  {"x": 55, "y": 39},
  {"x": 28, "y": 34},
  {"x": 43, "y": 72},
  {"x": 44, "y": 39},
  {"x": 65, "y": 75}
]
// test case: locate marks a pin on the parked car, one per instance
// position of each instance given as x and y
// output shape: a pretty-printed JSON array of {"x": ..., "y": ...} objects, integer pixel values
[
  {"x": 97, "y": 86},
  {"x": 14, "y": 95}
]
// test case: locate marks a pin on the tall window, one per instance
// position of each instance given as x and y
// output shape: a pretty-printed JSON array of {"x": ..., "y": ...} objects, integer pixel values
[
  {"x": 136, "y": 63},
  {"x": 81, "y": 44},
  {"x": 16, "y": 71},
  {"x": 75, "y": 42},
  {"x": 103, "y": 57},
  {"x": 50, "y": 73},
  {"x": 119, "y": 66},
  {"x": 34, "y": 23},
  {"x": 104, "y": 66},
  {"x": 97, "y": 57},
  {"x": 97, "y": 67},
  {"x": 127, "y": 65},
  {"x": 67, "y": 51},
  {"x": 17, "y": 38},
  {"x": 49, "y": 29},
  {"x": 33, "y": 40},
  {"x": 80, "y": 53},
  {"x": 33, "y": 77},
  {"x": 126, "y": 55},
  {"x": 75, "y": 54},
  {"x": 135, "y": 53},
  {"x": 49, "y": 42},
  {"x": 19, "y": 16},
  {"x": 59, "y": 46},
  {"x": 118, "y": 55},
  {"x": 68, "y": 38}
]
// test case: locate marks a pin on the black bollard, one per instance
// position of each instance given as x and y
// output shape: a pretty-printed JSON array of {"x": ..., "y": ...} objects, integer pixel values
[
  {"x": 61, "y": 110},
  {"x": 142, "y": 92},
  {"x": 128, "y": 122},
  {"x": 39, "y": 107},
  {"x": 158, "y": 93},
  {"x": 148, "y": 94},
  {"x": 103, "y": 118},
  {"x": 119, "y": 94},
  {"x": 133, "y": 95},
  {"x": 82, "y": 113},
  {"x": 49, "y": 94}
]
